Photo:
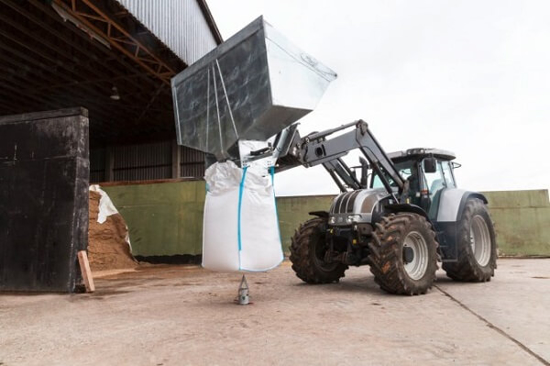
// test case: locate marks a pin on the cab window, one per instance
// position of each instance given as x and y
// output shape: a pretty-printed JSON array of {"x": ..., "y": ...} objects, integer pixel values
[
  {"x": 448, "y": 173},
  {"x": 435, "y": 181},
  {"x": 405, "y": 170}
]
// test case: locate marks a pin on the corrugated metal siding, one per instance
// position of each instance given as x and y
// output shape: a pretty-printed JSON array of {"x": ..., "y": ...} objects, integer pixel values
[
  {"x": 143, "y": 162},
  {"x": 192, "y": 162},
  {"x": 97, "y": 165},
  {"x": 180, "y": 24}
]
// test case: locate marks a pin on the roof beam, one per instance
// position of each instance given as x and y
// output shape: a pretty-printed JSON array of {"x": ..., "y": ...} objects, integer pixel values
[
  {"x": 89, "y": 90},
  {"x": 118, "y": 37},
  {"x": 25, "y": 13},
  {"x": 50, "y": 64},
  {"x": 99, "y": 47},
  {"x": 73, "y": 65}
]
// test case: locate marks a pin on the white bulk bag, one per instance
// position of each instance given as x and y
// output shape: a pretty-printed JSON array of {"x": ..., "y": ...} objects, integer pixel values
[{"x": 241, "y": 228}]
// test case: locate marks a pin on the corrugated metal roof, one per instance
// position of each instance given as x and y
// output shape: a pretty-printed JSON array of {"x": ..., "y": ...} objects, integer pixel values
[{"x": 180, "y": 24}]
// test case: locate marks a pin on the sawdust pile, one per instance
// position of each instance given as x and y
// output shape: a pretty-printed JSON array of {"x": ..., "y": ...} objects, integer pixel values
[{"x": 107, "y": 247}]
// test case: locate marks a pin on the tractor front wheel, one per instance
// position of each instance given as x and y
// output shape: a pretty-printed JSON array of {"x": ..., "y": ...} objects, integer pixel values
[
  {"x": 403, "y": 254},
  {"x": 307, "y": 254}
]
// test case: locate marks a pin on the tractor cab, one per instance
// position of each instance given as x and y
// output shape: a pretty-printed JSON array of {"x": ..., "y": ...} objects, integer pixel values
[{"x": 428, "y": 171}]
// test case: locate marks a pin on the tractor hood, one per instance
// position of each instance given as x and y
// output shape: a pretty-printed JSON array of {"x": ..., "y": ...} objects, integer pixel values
[{"x": 356, "y": 206}]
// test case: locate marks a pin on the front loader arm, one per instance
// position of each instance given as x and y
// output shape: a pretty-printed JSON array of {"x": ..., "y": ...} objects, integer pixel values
[{"x": 319, "y": 149}]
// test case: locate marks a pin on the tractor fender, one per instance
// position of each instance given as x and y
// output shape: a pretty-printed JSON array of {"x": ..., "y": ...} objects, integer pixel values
[
  {"x": 405, "y": 207},
  {"x": 321, "y": 214},
  {"x": 452, "y": 203},
  {"x": 451, "y": 207}
]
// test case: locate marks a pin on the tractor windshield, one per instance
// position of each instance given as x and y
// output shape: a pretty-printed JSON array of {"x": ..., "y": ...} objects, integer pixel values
[{"x": 405, "y": 169}]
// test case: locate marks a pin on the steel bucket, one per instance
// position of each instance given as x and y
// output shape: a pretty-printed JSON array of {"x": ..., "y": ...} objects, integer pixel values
[{"x": 250, "y": 87}]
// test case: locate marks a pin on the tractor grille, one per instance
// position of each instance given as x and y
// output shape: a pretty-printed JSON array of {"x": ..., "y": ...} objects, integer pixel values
[{"x": 344, "y": 203}]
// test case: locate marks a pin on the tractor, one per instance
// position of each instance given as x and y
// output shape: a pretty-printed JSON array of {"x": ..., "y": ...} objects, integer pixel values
[{"x": 401, "y": 217}]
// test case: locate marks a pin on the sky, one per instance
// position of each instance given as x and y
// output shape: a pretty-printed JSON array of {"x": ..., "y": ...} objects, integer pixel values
[{"x": 468, "y": 76}]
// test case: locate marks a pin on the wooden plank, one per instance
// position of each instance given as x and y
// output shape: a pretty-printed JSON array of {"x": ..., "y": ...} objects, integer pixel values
[{"x": 86, "y": 271}]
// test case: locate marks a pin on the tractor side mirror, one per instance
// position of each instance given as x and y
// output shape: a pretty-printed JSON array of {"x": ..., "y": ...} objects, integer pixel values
[{"x": 430, "y": 165}]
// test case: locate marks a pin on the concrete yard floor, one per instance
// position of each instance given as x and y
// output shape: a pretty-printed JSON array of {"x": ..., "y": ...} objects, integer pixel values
[{"x": 184, "y": 315}]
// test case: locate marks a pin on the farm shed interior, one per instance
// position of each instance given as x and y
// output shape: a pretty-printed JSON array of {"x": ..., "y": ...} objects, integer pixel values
[{"x": 114, "y": 58}]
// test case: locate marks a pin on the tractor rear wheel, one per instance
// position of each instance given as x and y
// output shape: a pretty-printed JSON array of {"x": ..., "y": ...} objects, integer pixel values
[
  {"x": 476, "y": 244},
  {"x": 403, "y": 254},
  {"x": 307, "y": 254}
]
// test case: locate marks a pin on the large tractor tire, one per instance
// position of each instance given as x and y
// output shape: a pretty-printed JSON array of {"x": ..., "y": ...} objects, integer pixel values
[
  {"x": 403, "y": 254},
  {"x": 307, "y": 254},
  {"x": 476, "y": 245}
]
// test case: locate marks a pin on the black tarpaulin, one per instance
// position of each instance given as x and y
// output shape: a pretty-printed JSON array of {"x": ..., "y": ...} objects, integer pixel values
[{"x": 44, "y": 178}]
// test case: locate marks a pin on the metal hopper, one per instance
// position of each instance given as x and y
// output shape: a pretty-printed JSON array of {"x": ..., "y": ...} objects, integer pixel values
[{"x": 250, "y": 87}]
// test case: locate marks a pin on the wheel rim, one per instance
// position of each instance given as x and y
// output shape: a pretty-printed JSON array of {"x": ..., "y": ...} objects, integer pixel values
[
  {"x": 417, "y": 267},
  {"x": 480, "y": 240}
]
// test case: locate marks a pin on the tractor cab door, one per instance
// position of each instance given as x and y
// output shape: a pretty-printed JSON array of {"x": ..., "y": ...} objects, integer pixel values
[
  {"x": 433, "y": 183},
  {"x": 448, "y": 174}
]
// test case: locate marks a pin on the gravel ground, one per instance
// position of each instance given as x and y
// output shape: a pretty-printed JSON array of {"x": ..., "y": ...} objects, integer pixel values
[{"x": 184, "y": 315}]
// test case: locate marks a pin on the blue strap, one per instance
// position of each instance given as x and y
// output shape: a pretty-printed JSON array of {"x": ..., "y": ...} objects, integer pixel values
[
  {"x": 272, "y": 173},
  {"x": 241, "y": 190}
]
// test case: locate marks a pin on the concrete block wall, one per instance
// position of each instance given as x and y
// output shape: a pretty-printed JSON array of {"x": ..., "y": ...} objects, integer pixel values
[
  {"x": 522, "y": 222},
  {"x": 166, "y": 218}
]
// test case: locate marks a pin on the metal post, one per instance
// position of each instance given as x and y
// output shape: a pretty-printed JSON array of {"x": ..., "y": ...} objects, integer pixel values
[
  {"x": 176, "y": 160},
  {"x": 109, "y": 164}
]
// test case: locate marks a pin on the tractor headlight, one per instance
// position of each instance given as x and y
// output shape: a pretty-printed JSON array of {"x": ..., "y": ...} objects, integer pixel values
[{"x": 352, "y": 218}]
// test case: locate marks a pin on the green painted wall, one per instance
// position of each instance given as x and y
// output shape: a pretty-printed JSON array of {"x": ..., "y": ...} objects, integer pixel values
[
  {"x": 294, "y": 210},
  {"x": 166, "y": 218},
  {"x": 522, "y": 219},
  {"x": 522, "y": 222},
  {"x": 162, "y": 218}
]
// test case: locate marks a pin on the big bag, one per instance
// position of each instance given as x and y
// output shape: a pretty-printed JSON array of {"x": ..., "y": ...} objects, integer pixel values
[{"x": 241, "y": 228}]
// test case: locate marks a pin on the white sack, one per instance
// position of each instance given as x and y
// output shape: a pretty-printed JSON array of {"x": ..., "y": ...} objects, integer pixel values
[
  {"x": 220, "y": 248},
  {"x": 106, "y": 206},
  {"x": 241, "y": 229}
]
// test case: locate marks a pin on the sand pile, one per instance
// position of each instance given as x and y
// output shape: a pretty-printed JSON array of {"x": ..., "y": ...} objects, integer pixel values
[{"x": 107, "y": 246}]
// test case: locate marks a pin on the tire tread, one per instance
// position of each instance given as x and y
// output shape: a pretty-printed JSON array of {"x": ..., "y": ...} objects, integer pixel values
[
  {"x": 301, "y": 257},
  {"x": 385, "y": 255}
]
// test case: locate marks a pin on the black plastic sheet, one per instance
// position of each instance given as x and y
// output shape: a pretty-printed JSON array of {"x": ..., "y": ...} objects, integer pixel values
[{"x": 44, "y": 179}]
